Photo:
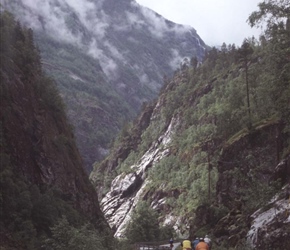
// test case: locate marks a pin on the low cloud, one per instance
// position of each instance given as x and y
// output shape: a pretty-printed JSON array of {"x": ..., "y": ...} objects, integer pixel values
[
  {"x": 157, "y": 24},
  {"x": 110, "y": 68},
  {"x": 108, "y": 65},
  {"x": 176, "y": 59},
  {"x": 114, "y": 51},
  {"x": 134, "y": 20},
  {"x": 53, "y": 18},
  {"x": 73, "y": 20},
  {"x": 215, "y": 21},
  {"x": 94, "y": 51}
]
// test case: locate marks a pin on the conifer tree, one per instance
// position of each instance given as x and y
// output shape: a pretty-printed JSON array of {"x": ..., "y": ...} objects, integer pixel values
[{"x": 245, "y": 53}]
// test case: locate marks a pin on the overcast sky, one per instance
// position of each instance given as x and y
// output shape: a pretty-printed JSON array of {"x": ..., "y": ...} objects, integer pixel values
[{"x": 216, "y": 21}]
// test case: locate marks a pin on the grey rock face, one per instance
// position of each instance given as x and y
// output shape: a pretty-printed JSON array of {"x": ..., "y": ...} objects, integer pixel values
[
  {"x": 271, "y": 225},
  {"x": 128, "y": 189}
]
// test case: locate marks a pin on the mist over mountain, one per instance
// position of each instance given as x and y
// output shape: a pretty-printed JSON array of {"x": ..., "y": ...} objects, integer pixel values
[{"x": 108, "y": 58}]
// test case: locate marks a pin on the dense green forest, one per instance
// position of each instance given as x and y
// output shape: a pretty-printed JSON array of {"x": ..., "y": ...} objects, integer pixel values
[
  {"x": 229, "y": 109},
  {"x": 37, "y": 214}
]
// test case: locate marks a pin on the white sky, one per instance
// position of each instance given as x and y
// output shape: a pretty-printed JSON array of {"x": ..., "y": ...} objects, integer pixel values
[{"x": 216, "y": 21}]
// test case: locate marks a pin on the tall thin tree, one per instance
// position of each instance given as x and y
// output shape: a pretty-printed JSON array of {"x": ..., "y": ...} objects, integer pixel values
[{"x": 245, "y": 53}]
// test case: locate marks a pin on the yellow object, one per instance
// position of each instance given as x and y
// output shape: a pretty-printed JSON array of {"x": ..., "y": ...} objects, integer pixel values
[{"x": 186, "y": 244}]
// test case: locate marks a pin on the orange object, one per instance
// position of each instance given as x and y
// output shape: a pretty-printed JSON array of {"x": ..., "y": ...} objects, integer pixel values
[{"x": 202, "y": 246}]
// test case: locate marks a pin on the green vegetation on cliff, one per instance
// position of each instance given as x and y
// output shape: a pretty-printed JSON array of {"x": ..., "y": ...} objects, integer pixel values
[{"x": 232, "y": 125}]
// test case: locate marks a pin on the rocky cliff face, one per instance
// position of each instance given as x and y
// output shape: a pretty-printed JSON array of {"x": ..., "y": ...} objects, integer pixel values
[
  {"x": 245, "y": 182},
  {"x": 197, "y": 164},
  {"x": 41, "y": 143},
  {"x": 260, "y": 168},
  {"x": 128, "y": 189},
  {"x": 108, "y": 57},
  {"x": 270, "y": 226},
  {"x": 35, "y": 133},
  {"x": 133, "y": 185}
]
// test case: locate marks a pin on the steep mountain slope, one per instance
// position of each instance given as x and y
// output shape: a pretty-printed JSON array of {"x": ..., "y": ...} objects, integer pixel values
[
  {"x": 108, "y": 57},
  {"x": 212, "y": 149},
  {"x": 42, "y": 174}
]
